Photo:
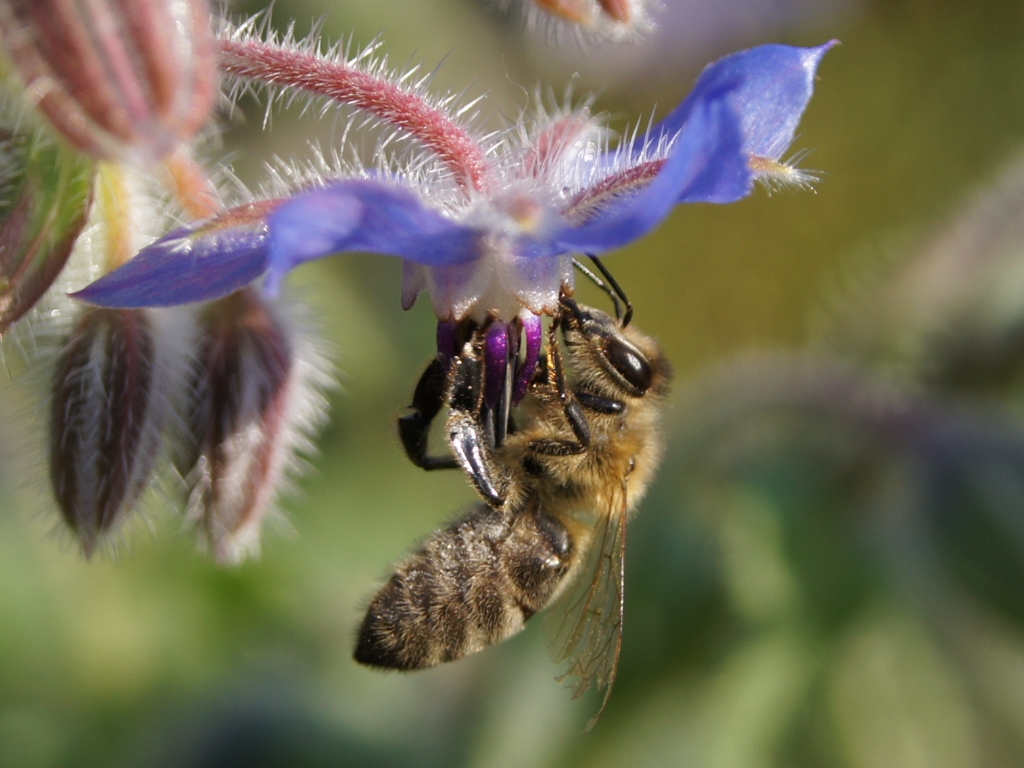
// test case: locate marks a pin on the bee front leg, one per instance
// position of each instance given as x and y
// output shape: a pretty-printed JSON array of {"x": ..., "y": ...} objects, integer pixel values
[
  {"x": 467, "y": 435},
  {"x": 414, "y": 427},
  {"x": 570, "y": 406},
  {"x": 599, "y": 403},
  {"x": 469, "y": 443}
]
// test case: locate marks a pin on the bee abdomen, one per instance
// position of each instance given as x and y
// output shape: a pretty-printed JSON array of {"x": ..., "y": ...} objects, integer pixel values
[{"x": 471, "y": 585}]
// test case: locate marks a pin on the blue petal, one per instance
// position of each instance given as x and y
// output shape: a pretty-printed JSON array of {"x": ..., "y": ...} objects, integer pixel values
[
  {"x": 364, "y": 215},
  {"x": 771, "y": 86},
  {"x": 708, "y": 155},
  {"x": 196, "y": 263}
]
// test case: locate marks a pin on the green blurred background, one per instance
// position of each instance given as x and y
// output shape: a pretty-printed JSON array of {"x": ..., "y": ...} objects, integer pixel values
[{"x": 804, "y": 586}]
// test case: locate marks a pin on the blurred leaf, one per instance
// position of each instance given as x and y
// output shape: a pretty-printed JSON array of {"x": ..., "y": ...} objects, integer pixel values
[
  {"x": 951, "y": 312},
  {"x": 737, "y": 718},
  {"x": 896, "y": 702},
  {"x": 45, "y": 194},
  {"x": 761, "y": 583},
  {"x": 974, "y": 509}
]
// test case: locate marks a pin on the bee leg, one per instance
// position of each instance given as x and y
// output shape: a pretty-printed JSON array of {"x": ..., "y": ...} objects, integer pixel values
[
  {"x": 573, "y": 412},
  {"x": 469, "y": 443},
  {"x": 414, "y": 427},
  {"x": 536, "y": 557},
  {"x": 468, "y": 434},
  {"x": 598, "y": 403}
]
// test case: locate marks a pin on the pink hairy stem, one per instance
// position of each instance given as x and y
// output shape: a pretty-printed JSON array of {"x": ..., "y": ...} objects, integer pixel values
[
  {"x": 409, "y": 111},
  {"x": 588, "y": 200},
  {"x": 550, "y": 146}
]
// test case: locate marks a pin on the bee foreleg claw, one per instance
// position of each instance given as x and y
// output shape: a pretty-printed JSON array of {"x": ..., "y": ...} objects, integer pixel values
[
  {"x": 473, "y": 454},
  {"x": 414, "y": 427}
]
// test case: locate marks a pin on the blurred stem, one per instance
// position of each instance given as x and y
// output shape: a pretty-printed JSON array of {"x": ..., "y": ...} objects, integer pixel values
[
  {"x": 571, "y": 10},
  {"x": 192, "y": 186},
  {"x": 115, "y": 212}
]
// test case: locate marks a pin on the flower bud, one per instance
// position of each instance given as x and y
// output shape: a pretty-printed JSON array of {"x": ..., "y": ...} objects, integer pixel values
[
  {"x": 117, "y": 78},
  {"x": 609, "y": 17},
  {"x": 108, "y": 409},
  {"x": 243, "y": 421},
  {"x": 45, "y": 194}
]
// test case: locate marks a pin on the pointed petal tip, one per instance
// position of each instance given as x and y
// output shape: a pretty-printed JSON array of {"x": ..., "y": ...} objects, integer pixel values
[
  {"x": 814, "y": 56},
  {"x": 89, "y": 295},
  {"x": 88, "y": 545},
  {"x": 114, "y": 294},
  {"x": 190, "y": 265}
]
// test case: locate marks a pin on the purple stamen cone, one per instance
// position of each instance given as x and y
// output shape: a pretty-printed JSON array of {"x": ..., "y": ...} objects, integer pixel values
[
  {"x": 446, "y": 333},
  {"x": 513, "y": 346},
  {"x": 496, "y": 362},
  {"x": 533, "y": 328}
]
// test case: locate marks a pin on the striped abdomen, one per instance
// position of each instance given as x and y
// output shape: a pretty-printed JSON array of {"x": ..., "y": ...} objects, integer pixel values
[{"x": 472, "y": 584}]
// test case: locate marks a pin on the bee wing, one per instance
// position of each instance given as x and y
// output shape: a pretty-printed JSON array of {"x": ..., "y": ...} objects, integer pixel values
[{"x": 585, "y": 625}]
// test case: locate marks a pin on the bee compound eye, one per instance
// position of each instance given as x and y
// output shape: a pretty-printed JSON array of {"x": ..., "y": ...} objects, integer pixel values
[{"x": 629, "y": 362}]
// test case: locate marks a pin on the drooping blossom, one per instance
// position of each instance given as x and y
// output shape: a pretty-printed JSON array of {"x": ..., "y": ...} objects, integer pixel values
[
  {"x": 119, "y": 79},
  {"x": 205, "y": 406},
  {"x": 93, "y": 85},
  {"x": 254, "y": 401},
  {"x": 125, "y": 87},
  {"x": 487, "y": 225},
  {"x": 111, "y": 398}
]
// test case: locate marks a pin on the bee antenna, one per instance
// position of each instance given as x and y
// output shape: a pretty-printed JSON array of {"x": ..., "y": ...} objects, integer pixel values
[
  {"x": 615, "y": 291},
  {"x": 600, "y": 284}
]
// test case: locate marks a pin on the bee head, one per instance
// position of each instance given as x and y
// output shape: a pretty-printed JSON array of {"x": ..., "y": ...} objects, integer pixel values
[{"x": 624, "y": 356}]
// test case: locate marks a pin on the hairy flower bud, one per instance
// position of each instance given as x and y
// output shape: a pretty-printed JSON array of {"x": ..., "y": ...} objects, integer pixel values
[
  {"x": 605, "y": 18},
  {"x": 108, "y": 409},
  {"x": 242, "y": 422},
  {"x": 45, "y": 193},
  {"x": 118, "y": 78}
]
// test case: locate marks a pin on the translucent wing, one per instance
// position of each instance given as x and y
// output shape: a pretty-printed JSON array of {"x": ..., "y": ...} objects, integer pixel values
[{"x": 585, "y": 625}]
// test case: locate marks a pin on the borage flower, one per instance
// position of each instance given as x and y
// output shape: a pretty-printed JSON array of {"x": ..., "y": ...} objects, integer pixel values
[{"x": 491, "y": 233}]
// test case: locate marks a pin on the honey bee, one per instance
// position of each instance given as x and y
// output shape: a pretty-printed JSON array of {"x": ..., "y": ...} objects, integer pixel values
[{"x": 552, "y": 525}]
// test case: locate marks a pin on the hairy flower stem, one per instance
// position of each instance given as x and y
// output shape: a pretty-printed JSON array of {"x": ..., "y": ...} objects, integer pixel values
[
  {"x": 191, "y": 185},
  {"x": 115, "y": 204},
  {"x": 591, "y": 199},
  {"x": 342, "y": 82}
]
